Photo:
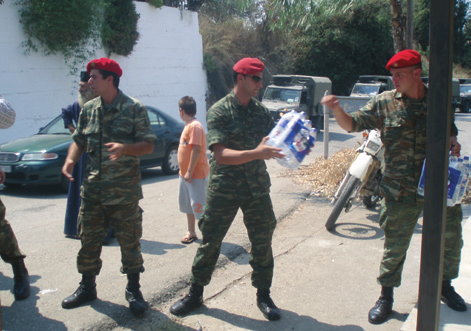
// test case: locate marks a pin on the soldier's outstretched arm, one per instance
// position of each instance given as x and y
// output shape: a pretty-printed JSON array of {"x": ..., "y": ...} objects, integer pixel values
[
  {"x": 75, "y": 153},
  {"x": 343, "y": 119},
  {"x": 229, "y": 156}
]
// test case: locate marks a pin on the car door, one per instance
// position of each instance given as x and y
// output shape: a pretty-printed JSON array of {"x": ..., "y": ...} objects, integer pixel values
[{"x": 159, "y": 125}]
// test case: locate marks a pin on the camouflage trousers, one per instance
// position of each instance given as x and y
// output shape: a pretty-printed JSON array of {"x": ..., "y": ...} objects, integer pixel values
[
  {"x": 94, "y": 221},
  {"x": 9, "y": 250},
  {"x": 218, "y": 215},
  {"x": 398, "y": 221}
]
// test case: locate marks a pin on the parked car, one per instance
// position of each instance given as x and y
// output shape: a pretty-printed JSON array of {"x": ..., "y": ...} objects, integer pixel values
[
  {"x": 465, "y": 95},
  {"x": 38, "y": 159}
]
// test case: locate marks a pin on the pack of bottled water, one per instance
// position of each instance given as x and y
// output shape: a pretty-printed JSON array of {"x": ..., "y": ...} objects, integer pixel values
[
  {"x": 294, "y": 135},
  {"x": 458, "y": 177}
]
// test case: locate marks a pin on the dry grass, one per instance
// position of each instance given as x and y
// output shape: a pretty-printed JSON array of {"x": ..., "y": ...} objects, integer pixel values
[
  {"x": 323, "y": 176},
  {"x": 460, "y": 72}
]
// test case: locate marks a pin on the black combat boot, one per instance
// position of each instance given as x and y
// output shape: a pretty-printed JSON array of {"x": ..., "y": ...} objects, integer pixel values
[
  {"x": 137, "y": 304},
  {"x": 21, "y": 288},
  {"x": 191, "y": 301},
  {"x": 85, "y": 292},
  {"x": 267, "y": 306},
  {"x": 451, "y": 298},
  {"x": 383, "y": 307}
]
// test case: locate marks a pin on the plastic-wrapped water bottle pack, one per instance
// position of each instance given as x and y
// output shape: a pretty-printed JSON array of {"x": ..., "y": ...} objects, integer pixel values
[
  {"x": 295, "y": 136},
  {"x": 458, "y": 177}
]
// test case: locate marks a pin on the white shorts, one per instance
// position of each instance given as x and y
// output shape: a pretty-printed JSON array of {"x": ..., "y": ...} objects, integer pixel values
[{"x": 192, "y": 197}]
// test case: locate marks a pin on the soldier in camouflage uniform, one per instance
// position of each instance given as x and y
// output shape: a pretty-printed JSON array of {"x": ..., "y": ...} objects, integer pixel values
[
  {"x": 9, "y": 250},
  {"x": 237, "y": 128},
  {"x": 401, "y": 115},
  {"x": 114, "y": 130}
]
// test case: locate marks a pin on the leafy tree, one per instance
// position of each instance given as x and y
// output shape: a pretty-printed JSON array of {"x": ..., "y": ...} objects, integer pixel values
[
  {"x": 398, "y": 24},
  {"x": 303, "y": 14},
  {"x": 461, "y": 34},
  {"x": 344, "y": 44},
  {"x": 222, "y": 10}
]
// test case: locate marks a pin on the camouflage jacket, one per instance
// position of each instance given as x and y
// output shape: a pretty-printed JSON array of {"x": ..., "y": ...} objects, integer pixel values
[
  {"x": 239, "y": 128},
  {"x": 403, "y": 133},
  {"x": 125, "y": 121}
]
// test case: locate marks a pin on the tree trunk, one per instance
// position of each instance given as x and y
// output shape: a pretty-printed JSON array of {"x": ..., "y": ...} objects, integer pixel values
[{"x": 398, "y": 24}]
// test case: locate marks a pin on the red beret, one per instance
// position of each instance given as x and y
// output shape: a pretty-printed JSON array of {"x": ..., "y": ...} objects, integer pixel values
[
  {"x": 404, "y": 59},
  {"x": 105, "y": 64},
  {"x": 249, "y": 66}
]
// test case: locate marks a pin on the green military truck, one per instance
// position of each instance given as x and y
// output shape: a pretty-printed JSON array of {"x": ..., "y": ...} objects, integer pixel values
[
  {"x": 369, "y": 86},
  {"x": 364, "y": 89},
  {"x": 455, "y": 93},
  {"x": 295, "y": 92},
  {"x": 464, "y": 100}
]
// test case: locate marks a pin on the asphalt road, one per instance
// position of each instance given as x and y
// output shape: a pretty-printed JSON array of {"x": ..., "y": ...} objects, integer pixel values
[{"x": 37, "y": 216}]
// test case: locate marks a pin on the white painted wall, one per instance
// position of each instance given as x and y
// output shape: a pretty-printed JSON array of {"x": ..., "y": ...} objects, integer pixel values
[{"x": 166, "y": 64}]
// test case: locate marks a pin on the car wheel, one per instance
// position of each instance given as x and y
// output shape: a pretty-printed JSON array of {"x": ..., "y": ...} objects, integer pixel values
[
  {"x": 170, "y": 164},
  {"x": 465, "y": 108}
]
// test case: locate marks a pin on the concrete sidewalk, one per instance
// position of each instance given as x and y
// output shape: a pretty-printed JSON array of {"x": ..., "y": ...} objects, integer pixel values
[
  {"x": 323, "y": 280},
  {"x": 451, "y": 320}
]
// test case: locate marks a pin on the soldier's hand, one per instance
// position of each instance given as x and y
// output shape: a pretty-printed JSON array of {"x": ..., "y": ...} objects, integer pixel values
[
  {"x": 67, "y": 169},
  {"x": 116, "y": 150},
  {"x": 2, "y": 176},
  {"x": 266, "y": 152},
  {"x": 330, "y": 101}
]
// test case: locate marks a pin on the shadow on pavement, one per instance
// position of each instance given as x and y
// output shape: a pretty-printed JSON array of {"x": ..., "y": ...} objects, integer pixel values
[
  {"x": 233, "y": 251},
  {"x": 288, "y": 319},
  {"x": 122, "y": 316},
  {"x": 34, "y": 191},
  {"x": 21, "y": 315},
  {"x": 158, "y": 248},
  {"x": 357, "y": 231}
]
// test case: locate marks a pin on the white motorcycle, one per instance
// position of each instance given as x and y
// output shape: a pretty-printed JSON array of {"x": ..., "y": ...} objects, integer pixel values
[{"x": 363, "y": 177}]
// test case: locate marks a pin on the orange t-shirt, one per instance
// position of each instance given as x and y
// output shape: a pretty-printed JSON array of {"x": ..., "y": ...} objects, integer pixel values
[{"x": 193, "y": 134}]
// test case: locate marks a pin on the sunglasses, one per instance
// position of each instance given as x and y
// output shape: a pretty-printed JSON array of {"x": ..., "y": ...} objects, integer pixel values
[{"x": 256, "y": 79}]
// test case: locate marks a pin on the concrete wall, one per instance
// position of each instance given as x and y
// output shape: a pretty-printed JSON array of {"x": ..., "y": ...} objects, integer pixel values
[{"x": 165, "y": 65}]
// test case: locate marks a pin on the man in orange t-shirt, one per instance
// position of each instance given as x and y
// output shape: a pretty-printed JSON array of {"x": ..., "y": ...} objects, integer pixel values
[{"x": 194, "y": 167}]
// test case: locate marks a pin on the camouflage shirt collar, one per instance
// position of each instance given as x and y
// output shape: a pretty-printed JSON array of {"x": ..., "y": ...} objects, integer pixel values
[
  {"x": 116, "y": 103},
  {"x": 398, "y": 95},
  {"x": 236, "y": 102}
]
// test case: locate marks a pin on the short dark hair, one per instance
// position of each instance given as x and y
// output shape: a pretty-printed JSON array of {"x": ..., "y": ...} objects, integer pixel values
[
  {"x": 188, "y": 105},
  {"x": 234, "y": 77},
  {"x": 105, "y": 74},
  {"x": 418, "y": 66}
]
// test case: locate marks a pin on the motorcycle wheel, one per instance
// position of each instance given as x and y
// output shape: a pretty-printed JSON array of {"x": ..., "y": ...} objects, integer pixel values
[
  {"x": 370, "y": 201},
  {"x": 340, "y": 204}
]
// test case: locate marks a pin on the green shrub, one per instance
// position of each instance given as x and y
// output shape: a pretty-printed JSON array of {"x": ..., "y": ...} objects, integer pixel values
[
  {"x": 156, "y": 3},
  {"x": 120, "y": 27},
  {"x": 56, "y": 26}
]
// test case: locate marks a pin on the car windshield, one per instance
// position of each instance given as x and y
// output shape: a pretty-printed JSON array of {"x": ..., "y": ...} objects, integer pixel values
[
  {"x": 285, "y": 95},
  {"x": 368, "y": 89},
  {"x": 56, "y": 126},
  {"x": 465, "y": 89}
]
